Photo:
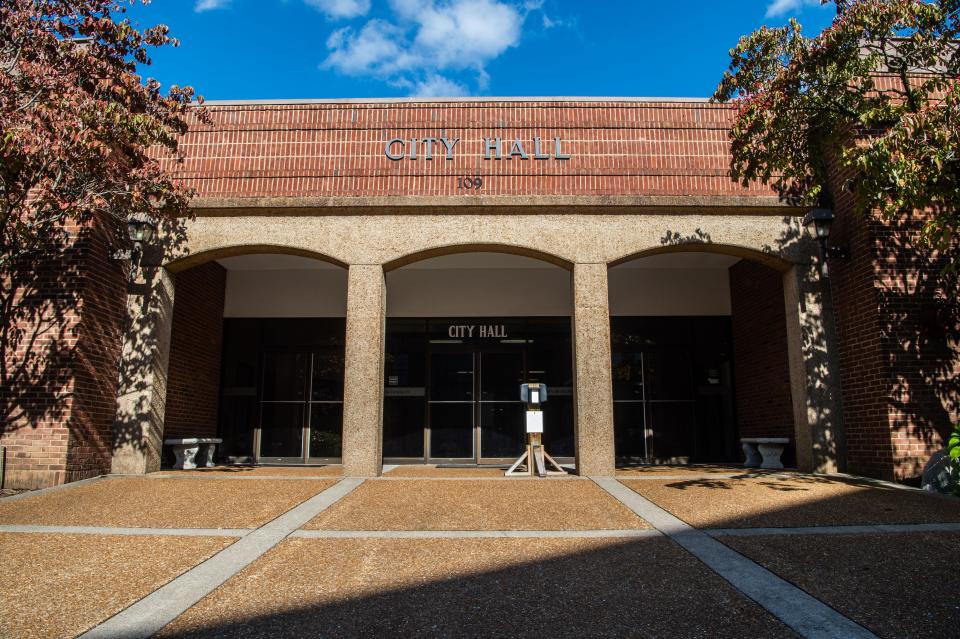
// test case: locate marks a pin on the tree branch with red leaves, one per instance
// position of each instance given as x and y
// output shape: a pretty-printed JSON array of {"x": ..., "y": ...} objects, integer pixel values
[{"x": 80, "y": 131}]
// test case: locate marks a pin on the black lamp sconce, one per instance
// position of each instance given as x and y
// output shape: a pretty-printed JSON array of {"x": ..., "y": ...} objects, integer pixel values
[
  {"x": 141, "y": 230},
  {"x": 822, "y": 220}
]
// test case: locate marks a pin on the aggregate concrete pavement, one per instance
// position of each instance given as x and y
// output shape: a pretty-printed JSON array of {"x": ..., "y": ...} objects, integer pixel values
[
  {"x": 429, "y": 504},
  {"x": 792, "y": 500},
  {"x": 897, "y": 585},
  {"x": 476, "y": 588},
  {"x": 162, "y": 503},
  {"x": 454, "y": 552},
  {"x": 59, "y": 585}
]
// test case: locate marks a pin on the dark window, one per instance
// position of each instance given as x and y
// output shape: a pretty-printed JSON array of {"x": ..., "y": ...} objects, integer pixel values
[
  {"x": 285, "y": 378},
  {"x": 672, "y": 389}
]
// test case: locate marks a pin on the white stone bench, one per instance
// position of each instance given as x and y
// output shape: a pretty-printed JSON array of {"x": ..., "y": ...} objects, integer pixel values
[
  {"x": 186, "y": 451},
  {"x": 770, "y": 449}
]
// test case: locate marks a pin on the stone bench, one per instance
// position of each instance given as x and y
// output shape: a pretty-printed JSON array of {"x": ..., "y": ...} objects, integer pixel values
[
  {"x": 186, "y": 451},
  {"x": 769, "y": 448}
]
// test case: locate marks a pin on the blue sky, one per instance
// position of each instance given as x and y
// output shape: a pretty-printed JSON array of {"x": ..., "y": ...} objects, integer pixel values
[{"x": 268, "y": 49}]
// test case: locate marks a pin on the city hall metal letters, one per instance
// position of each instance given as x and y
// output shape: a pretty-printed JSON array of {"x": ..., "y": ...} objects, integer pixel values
[{"x": 537, "y": 148}]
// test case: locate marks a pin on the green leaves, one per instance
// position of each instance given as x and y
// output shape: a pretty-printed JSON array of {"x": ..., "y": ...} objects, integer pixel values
[{"x": 876, "y": 91}]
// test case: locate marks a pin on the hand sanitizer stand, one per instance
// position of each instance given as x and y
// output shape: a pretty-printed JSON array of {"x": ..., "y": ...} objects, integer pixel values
[{"x": 535, "y": 460}]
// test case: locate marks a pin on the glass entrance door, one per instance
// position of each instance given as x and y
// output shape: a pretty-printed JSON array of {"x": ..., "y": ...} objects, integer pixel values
[
  {"x": 451, "y": 405},
  {"x": 502, "y": 423},
  {"x": 475, "y": 414},
  {"x": 301, "y": 408}
]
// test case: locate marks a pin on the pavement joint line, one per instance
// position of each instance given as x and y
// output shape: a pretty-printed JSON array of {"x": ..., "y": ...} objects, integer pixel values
[
  {"x": 50, "y": 489},
  {"x": 473, "y": 534},
  {"x": 806, "y": 615},
  {"x": 125, "y": 530},
  {"x": 149, "y": 615},
  {"x": 869, "y": 529}
]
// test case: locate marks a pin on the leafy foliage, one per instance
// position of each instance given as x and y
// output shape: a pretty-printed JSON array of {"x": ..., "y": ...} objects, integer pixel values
[
  {"x": 877, "y": 91},
  {"x": 81, "y": 135},
  {"x": 79, "y": 129},
  {"x": 953, "y": 450}
]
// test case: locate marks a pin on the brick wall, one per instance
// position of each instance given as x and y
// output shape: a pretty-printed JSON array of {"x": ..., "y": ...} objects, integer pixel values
[
  {"x": 898, "y": 327},
  {"x": 919, "y": 329},
  {"x": 761, "y": 369},
  {"x": 100, "y": 338},
  {"x": 193, "y": 382},
  {"x": 61, "y": 323},
  {"x": 863, "y": 369},
  {"x": 329, "y": 149}
]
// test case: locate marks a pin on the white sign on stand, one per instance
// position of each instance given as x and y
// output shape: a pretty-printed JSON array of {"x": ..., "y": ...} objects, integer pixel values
[{"x": 534, "y": 421}]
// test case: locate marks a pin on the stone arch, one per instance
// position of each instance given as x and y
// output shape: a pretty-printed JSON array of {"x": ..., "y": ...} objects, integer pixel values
[
  {"x": 452, "y": 249},
  {"x": 776, "y": 262},
  {"x": 185, "y": 262}
]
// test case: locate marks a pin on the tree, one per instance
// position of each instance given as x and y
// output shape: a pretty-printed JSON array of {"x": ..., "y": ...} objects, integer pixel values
[
  {"x": 877, "y": 91},
  {"x": 81, "y": 136},
  {"x": 77, "y": 122}
]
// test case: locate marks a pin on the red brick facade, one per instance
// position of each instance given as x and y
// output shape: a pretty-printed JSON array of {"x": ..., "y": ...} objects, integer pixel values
[
  {"x": 59, "y": 399},
  {"x": 616, "y": 148},
  {"x": 761, "y": 370},
  {"x": 898, "y": 354},
  {"x": 193, "y": 381}
]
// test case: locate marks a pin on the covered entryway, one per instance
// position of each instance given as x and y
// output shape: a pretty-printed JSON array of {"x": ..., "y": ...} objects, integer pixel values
[
  {"x": 463, "y": 332},
  {"x": 257, "y": 358},
  {"x": 699, "y": 357}
]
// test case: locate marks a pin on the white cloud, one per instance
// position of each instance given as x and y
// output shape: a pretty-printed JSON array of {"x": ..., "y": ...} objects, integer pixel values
[
  {"x": 781, "y": 7},
  {"x": 208, "y": 5},
  {"x": 336, "y": 9},
  {"x": 437, "y": 86},
  {"x": 377, "y": 49},
  {"x": 428, "y": 38}
]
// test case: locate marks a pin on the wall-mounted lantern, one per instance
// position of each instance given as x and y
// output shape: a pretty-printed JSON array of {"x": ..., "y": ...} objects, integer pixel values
[
  {"x": 822, "y": 220},
  {"x": 141, "y": 229}
]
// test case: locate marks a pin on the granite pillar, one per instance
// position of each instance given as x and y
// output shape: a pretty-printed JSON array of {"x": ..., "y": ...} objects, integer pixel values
[
  {"x": 142, "y": 396},
  {"x": 814, "y": 370},
  {"x": 363, "y": 375},
  {"x": 592, "y": 375}
]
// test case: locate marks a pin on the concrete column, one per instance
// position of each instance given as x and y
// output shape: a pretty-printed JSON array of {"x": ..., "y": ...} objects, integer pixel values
[
  {"x": 142, "y": 396},
  {"x": 363, "y": 377},
  {"x": 814, "y": 370},
  {"x": 593, "y": 388}
]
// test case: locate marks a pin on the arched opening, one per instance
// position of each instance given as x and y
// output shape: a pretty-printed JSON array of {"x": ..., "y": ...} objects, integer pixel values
[
  {"x": 257, "y": 355},
  {"x": 699, "y": 354},
  {"x": 465, "y": 327}
]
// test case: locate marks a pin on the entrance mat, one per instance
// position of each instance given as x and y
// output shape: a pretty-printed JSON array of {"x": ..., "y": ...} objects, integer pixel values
[
  {"x": 902, "y": 585},
  {"x": 476, "y": 588},
  {"x": 792, "y": 501},
  {"x": 141, "y": 502},
  {"x": 478, "y": 505},
  {"x": 61, "y": 585}
]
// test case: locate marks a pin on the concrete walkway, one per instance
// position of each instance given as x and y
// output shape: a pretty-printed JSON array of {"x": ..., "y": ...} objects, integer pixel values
[{"x": 619, "y": 563}]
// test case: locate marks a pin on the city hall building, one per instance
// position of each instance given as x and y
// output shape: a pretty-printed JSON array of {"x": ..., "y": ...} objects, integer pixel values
[{"x": 368, "y": 282}]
